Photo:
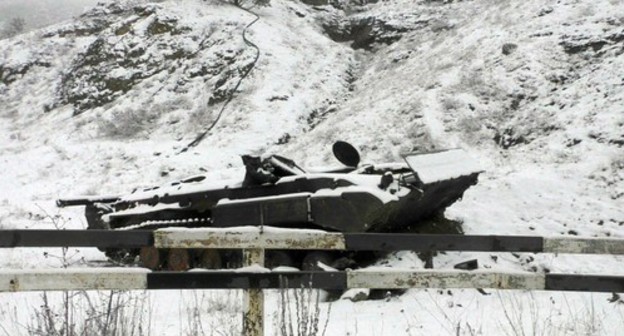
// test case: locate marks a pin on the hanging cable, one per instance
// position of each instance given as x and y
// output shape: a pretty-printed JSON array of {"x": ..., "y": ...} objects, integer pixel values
[{"x": 203, "y": 134}]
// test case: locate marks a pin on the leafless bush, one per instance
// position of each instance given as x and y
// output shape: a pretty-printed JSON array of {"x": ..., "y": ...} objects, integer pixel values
[
  {"x": 299, "y": 312},
  {"x": 515, "y": 316},
  {"x": 13, "y": 27},
  {"x": 451, "y": 322},
  {"x": 524, "y": 316},
  {"x": 212, "y": 314},
  {"x": 73, "y": 313},
  {"x": 450, "y": 104},
  {"x": 125, "y": 123},
  {"x": 110, "y": 313}
]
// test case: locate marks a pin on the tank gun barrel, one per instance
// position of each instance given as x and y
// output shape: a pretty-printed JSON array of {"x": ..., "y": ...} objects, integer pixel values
[{"x": 66, "y": 202}]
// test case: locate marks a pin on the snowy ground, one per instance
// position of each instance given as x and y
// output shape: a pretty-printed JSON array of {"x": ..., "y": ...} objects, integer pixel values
[{"x": 545, "y": 119}]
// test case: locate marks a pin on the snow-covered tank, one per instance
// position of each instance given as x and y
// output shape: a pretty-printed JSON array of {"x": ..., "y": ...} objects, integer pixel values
[{"x": 387, "y": 197}]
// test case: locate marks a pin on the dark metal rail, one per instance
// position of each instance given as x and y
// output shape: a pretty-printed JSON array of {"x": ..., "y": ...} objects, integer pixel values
[{"x": 287, "y": 239}]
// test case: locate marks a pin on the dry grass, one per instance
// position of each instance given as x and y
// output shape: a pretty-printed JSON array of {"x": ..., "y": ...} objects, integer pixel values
[
  {"x": 299, "y": 312},
  {"x": 214, "y": 313},
  {"x": 111, "y": 313}
]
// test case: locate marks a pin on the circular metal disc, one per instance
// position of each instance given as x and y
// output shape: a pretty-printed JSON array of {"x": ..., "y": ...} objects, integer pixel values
[{"x": 346, "y": 153}]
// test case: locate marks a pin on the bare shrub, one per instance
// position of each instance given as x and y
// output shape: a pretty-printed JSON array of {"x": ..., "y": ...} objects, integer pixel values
[
  {"x": 524, "y": 316},
  {"x": 210, "y": 313},
  {"x": 516, "y": 312},
  {"x": 304, "y": 318},
  {"x": 451, "y": 322},
  {"x": 73, "y": 313},
  {"x": 450, "y": 103},
  {"x": 200, "y": 116},
  {"x": 125, "y": 123},
  {"x": 109, "y": 313},
  {"x": 15, "y": 26}
]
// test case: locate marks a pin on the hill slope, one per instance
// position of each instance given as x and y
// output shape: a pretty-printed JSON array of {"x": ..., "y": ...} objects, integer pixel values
[{"x": 104, "y": 103}]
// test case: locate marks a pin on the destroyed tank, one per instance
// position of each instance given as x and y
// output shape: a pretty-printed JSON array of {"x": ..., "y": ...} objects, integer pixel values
[{"x": 389, "y": 197}]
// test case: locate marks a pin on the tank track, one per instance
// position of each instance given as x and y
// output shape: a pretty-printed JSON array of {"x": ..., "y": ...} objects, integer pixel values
[
  {"x": 228, "y": 258},
  {"x": 159, "y": 224},
  {"x": 134, "y": 256}
]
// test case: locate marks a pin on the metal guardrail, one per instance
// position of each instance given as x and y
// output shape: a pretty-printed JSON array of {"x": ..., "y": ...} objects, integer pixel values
[
  {"x": 272, "y": 238},
  {"x": 254, "y": 240},
  {"x": 75, "y": 238},
  {"x": 134, "y": 279}
]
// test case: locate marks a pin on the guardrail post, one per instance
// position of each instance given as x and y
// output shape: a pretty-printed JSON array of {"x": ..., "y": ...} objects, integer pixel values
[{"x": 253, "y": 308}]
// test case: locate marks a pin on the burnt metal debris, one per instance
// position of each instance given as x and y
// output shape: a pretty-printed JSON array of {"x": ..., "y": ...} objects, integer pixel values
[{"x": 355, "y": 198}]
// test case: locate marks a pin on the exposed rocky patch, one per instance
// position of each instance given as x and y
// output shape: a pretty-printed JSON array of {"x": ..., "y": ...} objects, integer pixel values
[
  {"x": 94, "y": 20},
  {"x": 598, "y": 44},
  {"x": 9, "y": 74},
  {"x": 145, "y": 43},
  {"x": 365, "y": 30},
  {"x": 90, "y": 23}
]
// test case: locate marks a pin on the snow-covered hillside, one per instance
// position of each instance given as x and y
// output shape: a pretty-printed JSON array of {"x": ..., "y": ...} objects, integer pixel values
[{"x": 534, "y": 90}]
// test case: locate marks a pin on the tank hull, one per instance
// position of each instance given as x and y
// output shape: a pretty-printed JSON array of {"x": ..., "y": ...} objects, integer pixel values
[{"x": 393, "y": 197}]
